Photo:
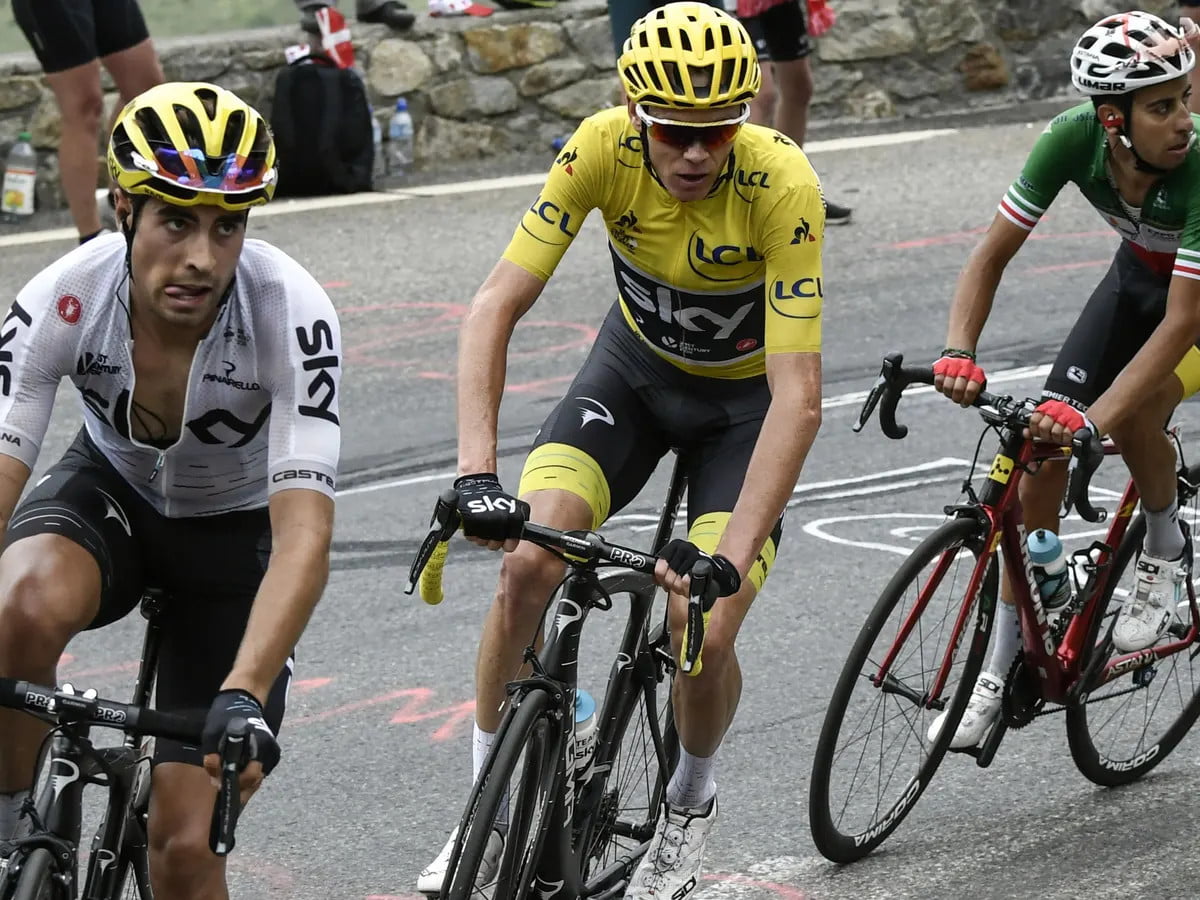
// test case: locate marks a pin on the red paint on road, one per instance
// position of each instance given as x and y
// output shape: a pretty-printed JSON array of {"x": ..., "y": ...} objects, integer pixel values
[
  {"x": 329, "y": 285},
  {"x": 310, "y": 684},
  {"x": 787, "y": 892},
  {"x": 413, "y": 711}
]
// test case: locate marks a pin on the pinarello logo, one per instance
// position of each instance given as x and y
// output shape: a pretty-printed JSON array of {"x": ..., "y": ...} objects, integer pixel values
[
  {"x": 746, "y": 344},
  {"x": 69, "y": 308}
]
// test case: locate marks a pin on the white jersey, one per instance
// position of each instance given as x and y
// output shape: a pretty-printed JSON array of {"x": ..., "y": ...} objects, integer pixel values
[{"x": 261, "y": 411}]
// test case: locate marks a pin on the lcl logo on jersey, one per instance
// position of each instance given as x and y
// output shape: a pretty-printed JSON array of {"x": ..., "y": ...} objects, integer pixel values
[
  {"x": 801, "y": 299},
  {"x": 552, "y": 214},
  {"x": 714, "y": 260}
]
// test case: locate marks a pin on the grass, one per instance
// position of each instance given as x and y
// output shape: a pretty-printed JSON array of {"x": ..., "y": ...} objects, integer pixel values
[{"x": 173, "y": 18}]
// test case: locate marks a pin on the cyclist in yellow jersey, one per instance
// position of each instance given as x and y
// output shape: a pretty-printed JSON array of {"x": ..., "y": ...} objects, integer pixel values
[{"x": 712, "y": 348}]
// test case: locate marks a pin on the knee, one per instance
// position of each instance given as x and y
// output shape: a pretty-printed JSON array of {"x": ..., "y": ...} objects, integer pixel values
[
  {"x": 83, "y": 109},
  {"x": 795, "y": 85},
  {"x": 527, "y": 576},
  {"x": 35, "y": 624},
  {"x": 183, "y": 863}
]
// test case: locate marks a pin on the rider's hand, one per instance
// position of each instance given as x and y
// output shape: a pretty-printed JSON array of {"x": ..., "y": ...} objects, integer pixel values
[
  {"x": 264, "y": 750},
  {"x": 490, "y": 517},
  {"x": 957, "y": 376},
  {"x": 675, "y": 565},
  {"x": 1056, "y": 421}
]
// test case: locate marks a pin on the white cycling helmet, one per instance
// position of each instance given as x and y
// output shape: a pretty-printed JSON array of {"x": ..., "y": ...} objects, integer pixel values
[{"x": 1132, "y": 50}]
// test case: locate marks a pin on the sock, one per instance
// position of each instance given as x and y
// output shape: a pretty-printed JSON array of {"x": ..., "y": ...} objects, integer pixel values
[
  {"x": 481, "y": 745},
  {"x": 692, "y": 785},
  {"x": 10, "y": 808},
  {"x": 1006, "y": 640},
  {"x": 1164, "y": 537}
]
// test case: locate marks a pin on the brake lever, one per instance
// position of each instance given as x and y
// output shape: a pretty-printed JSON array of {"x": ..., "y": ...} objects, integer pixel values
[{"x": 442, "y": 525}]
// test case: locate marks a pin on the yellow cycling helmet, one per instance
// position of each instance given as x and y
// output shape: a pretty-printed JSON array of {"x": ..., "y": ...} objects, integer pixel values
[
  {"x": 689, "y": 55},
  {"x": 189, "y": 143}
]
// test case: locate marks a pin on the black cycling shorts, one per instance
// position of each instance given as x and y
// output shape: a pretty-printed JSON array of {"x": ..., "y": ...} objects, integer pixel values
[
  {"x": 209, "y": 566},
  {"x": 781, "y": 33},
  {"x": 69, "y": 33},
  {"x": 625, "y": 410},
  {"x": 1123, "y": 311}
]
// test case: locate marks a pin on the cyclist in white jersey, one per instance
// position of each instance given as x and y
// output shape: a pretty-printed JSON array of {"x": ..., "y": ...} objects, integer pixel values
[{"x": 208, "y": 367}]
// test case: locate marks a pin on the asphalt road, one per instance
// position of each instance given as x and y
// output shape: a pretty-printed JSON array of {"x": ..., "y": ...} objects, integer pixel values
[{"x": 376, "y": 752}]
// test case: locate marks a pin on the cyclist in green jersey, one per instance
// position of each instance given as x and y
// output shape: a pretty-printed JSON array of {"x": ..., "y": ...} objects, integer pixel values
[{"x": 1131, "y": 357}]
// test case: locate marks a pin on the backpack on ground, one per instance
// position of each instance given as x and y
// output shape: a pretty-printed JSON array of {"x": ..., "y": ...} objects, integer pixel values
[{"x": 322, "y": 125}]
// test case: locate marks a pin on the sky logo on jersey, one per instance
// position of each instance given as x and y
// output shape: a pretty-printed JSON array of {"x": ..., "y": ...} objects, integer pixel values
[
  {"x": 717, "y": 261},
  {"x": 799, "y": 300}
]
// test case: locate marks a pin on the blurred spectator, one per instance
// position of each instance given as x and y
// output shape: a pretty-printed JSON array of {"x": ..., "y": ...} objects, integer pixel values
[
  {"x": 71, "y": 39},
  {"x": 623, "y": 13},
  {"x": 1189, "y": 11},
  {"x": 392, "y": 13},
  {"x": 780, "y": 32}
]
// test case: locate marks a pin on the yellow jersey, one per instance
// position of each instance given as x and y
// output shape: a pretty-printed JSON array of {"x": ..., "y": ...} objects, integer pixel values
[{"x": 711, "y": 285}]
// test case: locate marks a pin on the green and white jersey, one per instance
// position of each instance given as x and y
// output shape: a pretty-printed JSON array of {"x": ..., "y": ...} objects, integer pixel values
[{"x": 1164, "y": 232}]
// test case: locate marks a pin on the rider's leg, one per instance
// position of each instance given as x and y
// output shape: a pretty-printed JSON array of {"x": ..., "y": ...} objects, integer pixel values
[
  {"x": 1150, "y": 455},
  {"x": 49, "y": 592},
  {"x": 527, "y": 576}
]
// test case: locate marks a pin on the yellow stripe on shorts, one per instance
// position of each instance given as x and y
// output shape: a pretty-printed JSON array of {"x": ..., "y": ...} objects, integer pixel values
[
  {"x": 562, "y": 467},
  {"x": 706, "y": 533},
  {"x": 1188, "y": 372}
]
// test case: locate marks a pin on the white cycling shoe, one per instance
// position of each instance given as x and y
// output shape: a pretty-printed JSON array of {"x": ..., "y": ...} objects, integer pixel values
[
  {"x": 982, "y": 710},
  {"x": 432, "y": 876},
  {"x": 670, "y": 870},
  {"x": 1148, "y": 612}
]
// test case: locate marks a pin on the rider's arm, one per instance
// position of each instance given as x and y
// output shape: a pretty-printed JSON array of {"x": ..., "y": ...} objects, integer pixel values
[
  {"x": 504, "y": 297},
  {"x": 1158, "y": 357},
  {"x": 574, "y": 186},
  {"x": 301, "y": 529},
  {"x": 977, "y": 284},
  {"x": 792, "y": 339},
  {"x": 300, "y": 363},
  {"x": 1069, "y": 138},
  {"x": 788, "y": 431}
]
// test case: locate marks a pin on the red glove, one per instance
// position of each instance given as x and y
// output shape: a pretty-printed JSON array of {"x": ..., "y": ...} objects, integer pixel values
[
  {"x": 959, "y": 367},
  {"x": 1066, "y": 415}
]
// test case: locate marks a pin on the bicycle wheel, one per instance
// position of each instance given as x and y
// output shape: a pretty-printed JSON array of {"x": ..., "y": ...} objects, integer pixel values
[
  {"x": 1123, "y": 729},
  {"x": 623, "y": 788},
  {"x": 523, "y": 774},
  {"x": 38, "y": 880},
  {"x": 874, "y": 756}
]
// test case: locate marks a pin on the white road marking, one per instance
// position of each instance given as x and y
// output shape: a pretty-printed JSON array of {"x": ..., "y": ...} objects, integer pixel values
[{"x": 366, "y": 198}]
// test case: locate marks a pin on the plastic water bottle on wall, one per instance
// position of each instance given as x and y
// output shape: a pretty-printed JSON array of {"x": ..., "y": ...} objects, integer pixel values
[
  {"x": 585, "y": 730},
  {"x": 20, "y": 179},
  {"x": 379, "y": 160},
  {"x": 400, "y": 139},
  {"x": 1050, "y": 569}
]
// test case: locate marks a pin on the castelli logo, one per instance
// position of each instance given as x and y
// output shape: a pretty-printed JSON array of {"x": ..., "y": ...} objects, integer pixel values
[
  {"x": 746, "y": 344},
  {"x": 69, "y": 308}
]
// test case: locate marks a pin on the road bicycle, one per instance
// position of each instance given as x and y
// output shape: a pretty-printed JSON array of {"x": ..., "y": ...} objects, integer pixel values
[
  {"x": 575, "y": 827},
  {"x": 923, "y": 644},
  {"x": 44, "y": 865}
]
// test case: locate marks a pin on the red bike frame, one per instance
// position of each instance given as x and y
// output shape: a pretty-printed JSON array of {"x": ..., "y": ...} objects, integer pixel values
[{"x": 1057, "y": 667}]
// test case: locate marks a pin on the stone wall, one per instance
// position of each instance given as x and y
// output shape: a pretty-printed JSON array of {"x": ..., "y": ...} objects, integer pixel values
[{"x": 517, "y": 80}]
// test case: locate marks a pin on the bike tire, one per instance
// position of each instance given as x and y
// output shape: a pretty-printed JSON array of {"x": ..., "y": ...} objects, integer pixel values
[
  {"x": 532, "y": 737},
  {"x": 1094, "y": 763},
  {"x": 36, "y": 881},
  {"x": 830, "y": 840}
]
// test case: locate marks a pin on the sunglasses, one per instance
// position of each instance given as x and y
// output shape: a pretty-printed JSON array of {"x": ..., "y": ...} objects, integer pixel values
[
  {"x": 193, "y": 169},
  {"x": 682, "y": 135}
]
